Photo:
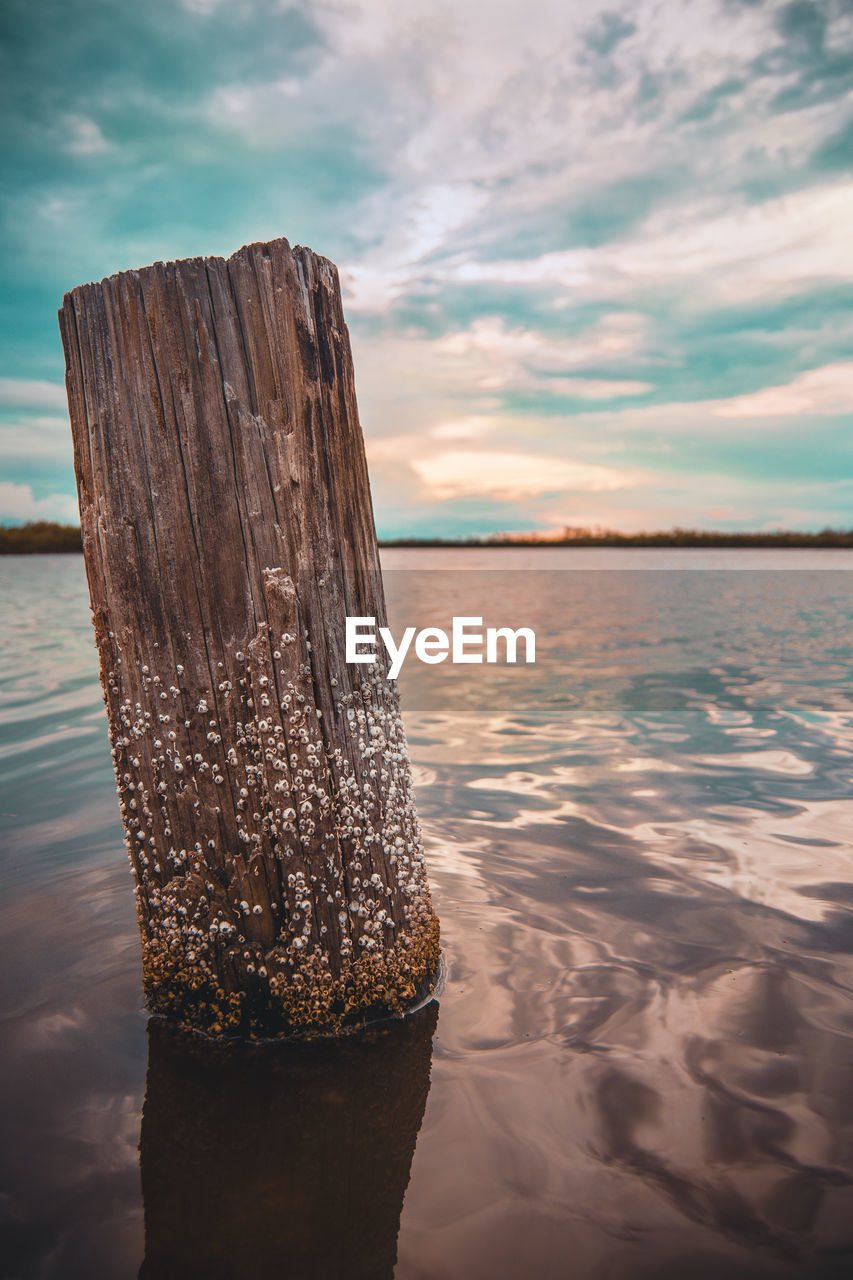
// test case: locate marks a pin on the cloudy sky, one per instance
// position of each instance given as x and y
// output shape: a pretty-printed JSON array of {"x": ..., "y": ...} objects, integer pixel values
[{"x": 597, "y": 257}]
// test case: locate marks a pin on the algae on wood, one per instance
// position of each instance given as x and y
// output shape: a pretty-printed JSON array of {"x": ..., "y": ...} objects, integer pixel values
[{"x": 227, "y": 533}]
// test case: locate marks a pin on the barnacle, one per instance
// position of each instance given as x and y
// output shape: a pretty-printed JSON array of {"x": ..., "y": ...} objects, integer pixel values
[{"x": 313, "y": 826}]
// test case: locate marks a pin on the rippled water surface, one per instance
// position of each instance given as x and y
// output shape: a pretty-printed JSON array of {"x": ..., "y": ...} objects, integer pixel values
[{"x": 641, "y": 850}]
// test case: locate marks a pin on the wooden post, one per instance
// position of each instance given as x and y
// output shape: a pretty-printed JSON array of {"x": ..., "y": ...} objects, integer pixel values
[{"x": 227, "y": 533}]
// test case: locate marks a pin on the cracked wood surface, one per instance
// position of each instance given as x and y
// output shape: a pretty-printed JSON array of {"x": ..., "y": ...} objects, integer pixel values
[{"x": 227, "y": 533}]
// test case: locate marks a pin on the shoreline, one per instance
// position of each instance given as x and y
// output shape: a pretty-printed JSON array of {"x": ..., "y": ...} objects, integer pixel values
[{"x": 47, "y": 538}]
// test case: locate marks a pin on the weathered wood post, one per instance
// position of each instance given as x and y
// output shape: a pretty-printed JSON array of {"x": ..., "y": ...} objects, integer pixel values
[{"x": 227, "y": 533}]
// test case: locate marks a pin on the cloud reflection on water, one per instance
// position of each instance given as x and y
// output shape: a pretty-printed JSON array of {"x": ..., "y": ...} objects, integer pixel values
[{"x": 650, "y": 978}]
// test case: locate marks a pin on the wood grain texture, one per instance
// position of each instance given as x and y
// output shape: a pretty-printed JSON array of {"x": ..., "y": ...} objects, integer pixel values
[{"x": 227, "y": 533}]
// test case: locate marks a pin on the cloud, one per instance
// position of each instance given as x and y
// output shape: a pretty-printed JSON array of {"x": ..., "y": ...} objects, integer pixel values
[
  {"x": 83, "y": 136},
  {"x": 522, "y": 131},
  {"x": 731, "y": 254},
  {"x": 467, "y": 374},
  {"x": 41, "y": 436},
  {"x": 427, "y": 220},
  {"x": 483, "y": 123},
  {"x": 473, "y": 428},
  {"x": 202, "y": 7},
  {"x": 828, "y": 390},
  {"x": 595, "y": 388},
  {"x": 609, "y": 30},
  {"x": 18, "y": 503},
  {"x": 713, "y": 499},
  {"x": 509, "y": 477},
  {"x": 32, "y": 394},
  {"x": 615, "y": 336}
]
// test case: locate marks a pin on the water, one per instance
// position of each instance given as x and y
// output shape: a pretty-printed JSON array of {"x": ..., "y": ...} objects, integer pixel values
[{"x": 641, "y": 854}]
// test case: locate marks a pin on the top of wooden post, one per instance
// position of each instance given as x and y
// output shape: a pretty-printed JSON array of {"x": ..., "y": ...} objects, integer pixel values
[{"x": 262, "y": 247}]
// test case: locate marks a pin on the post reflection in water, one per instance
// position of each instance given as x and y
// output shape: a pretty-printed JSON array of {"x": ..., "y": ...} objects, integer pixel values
[{"x": 285, "y": 1160}]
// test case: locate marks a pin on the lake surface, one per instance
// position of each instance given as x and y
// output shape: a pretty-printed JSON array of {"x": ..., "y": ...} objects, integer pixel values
[{"x": 641, "y": 849}]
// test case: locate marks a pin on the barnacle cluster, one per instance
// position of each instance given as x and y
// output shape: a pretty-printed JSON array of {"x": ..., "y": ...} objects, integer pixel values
[{"x": 280, "y": 877}]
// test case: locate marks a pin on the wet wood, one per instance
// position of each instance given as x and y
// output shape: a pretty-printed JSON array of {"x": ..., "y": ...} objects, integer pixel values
[{"x": 227, "y": 533}]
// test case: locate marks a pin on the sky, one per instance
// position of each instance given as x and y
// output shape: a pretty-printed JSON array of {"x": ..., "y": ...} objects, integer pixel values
[{"x": 597, "y": 258}]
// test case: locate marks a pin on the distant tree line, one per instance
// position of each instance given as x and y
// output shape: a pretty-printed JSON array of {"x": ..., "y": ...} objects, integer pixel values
[
  {"x": 660, "y": 538},
  {"x": 39, "y": 537},
  {"x": 43, "y": 536}
]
